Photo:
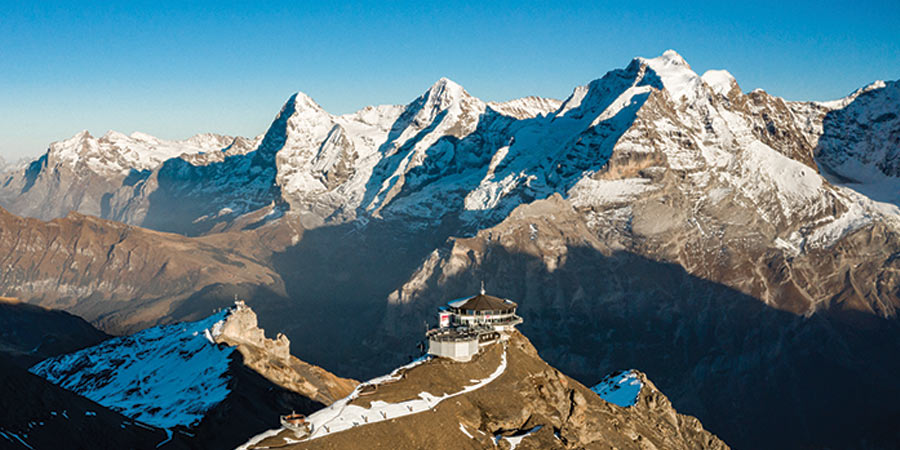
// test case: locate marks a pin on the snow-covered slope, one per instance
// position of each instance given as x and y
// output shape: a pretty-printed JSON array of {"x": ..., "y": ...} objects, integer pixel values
[
  {"x": 860, "y": 142},
  {"x": 35, "y": 414},
  {"x": 621, "y": 388},
  {"x": 526, "y": 107},
  {"x": 164, "y": 376},
  {"x": 215, "y": 380}
]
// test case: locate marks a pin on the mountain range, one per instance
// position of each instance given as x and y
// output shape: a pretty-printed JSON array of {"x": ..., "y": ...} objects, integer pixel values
[{"x": 740, "y": 249}]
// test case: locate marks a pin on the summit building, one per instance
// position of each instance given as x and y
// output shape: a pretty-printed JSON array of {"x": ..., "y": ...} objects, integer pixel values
[{"x": 467, "y": 324}]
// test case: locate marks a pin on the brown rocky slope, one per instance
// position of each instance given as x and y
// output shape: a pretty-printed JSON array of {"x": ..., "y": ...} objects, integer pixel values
[
  {"x": 120, "y": 277},
  {"x": 530, "y": 405}
]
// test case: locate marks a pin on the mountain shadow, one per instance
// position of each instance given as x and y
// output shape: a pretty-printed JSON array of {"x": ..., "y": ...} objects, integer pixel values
[
  {"x": 252, "y": 407},
  {"x": 29, "y": 333},
  {"x": 37, "y": 414},
  {"x": 756, "y": 376},
  {"x": 337, "y": 279}
]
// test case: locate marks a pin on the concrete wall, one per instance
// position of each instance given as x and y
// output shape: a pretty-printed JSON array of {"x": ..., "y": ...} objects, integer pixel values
[{"x": 458, "y": 350}]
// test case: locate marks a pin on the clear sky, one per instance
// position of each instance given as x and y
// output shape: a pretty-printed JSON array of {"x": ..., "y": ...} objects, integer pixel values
[{"x": 174, "y": 70}]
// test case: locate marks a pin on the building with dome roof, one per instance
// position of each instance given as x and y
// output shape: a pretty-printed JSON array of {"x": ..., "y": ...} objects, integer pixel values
[{"x": 467, "y": 324}]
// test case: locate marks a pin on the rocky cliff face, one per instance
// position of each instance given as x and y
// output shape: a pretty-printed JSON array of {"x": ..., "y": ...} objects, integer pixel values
[
  {"x": 272, "y": 359},
  {"x": 516, "y": 401}
]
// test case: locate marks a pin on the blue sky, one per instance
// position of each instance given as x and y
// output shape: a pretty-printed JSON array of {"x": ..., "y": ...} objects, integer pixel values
[{"x": 174, "y": 70}]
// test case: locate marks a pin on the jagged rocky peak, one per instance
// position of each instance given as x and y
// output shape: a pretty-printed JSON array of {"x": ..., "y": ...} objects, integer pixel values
[
  {"x": 302, "y": 102},
  {"x": 272, "y": 358},
  {"x": 444, "y": 92},
  {"x": 71, "y": 147},
  {"x": 606, "y": 96},
  {"x": 446, "y": 97},
  {"x": 676, "y": 75},
  {"x": 307, "y": 122},
  {"x": 241, "y": 326}
]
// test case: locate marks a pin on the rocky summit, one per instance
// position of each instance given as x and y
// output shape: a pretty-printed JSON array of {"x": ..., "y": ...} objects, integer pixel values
[{"x": 506, "y": 397}]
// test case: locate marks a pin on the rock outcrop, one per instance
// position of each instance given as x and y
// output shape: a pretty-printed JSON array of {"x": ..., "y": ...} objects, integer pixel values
[{"x": 272, "y": 359}]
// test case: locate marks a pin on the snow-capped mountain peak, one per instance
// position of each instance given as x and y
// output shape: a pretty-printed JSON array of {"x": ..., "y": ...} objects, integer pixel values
[
  {"x": 116, "y": 154},
  {"x": 676, "y": 75},
  {"x": 307, "y": 117},
  {"x": 444, "y": 93},
  {"x": 83, "y": 134},
  {"x": 720, "y": 81},
  {"x": 303, "y": 102}
]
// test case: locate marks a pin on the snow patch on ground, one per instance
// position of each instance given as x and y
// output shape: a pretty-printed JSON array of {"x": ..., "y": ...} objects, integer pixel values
[
  {"x": 341, "y": 416},
  {"x": 621, "y": 388},
  {"x": 514, "y": 441},
  {"x": 590, "y": 192}
]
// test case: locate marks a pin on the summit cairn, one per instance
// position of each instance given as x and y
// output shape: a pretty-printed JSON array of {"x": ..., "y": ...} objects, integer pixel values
[{"x": 468, "y": 324}]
